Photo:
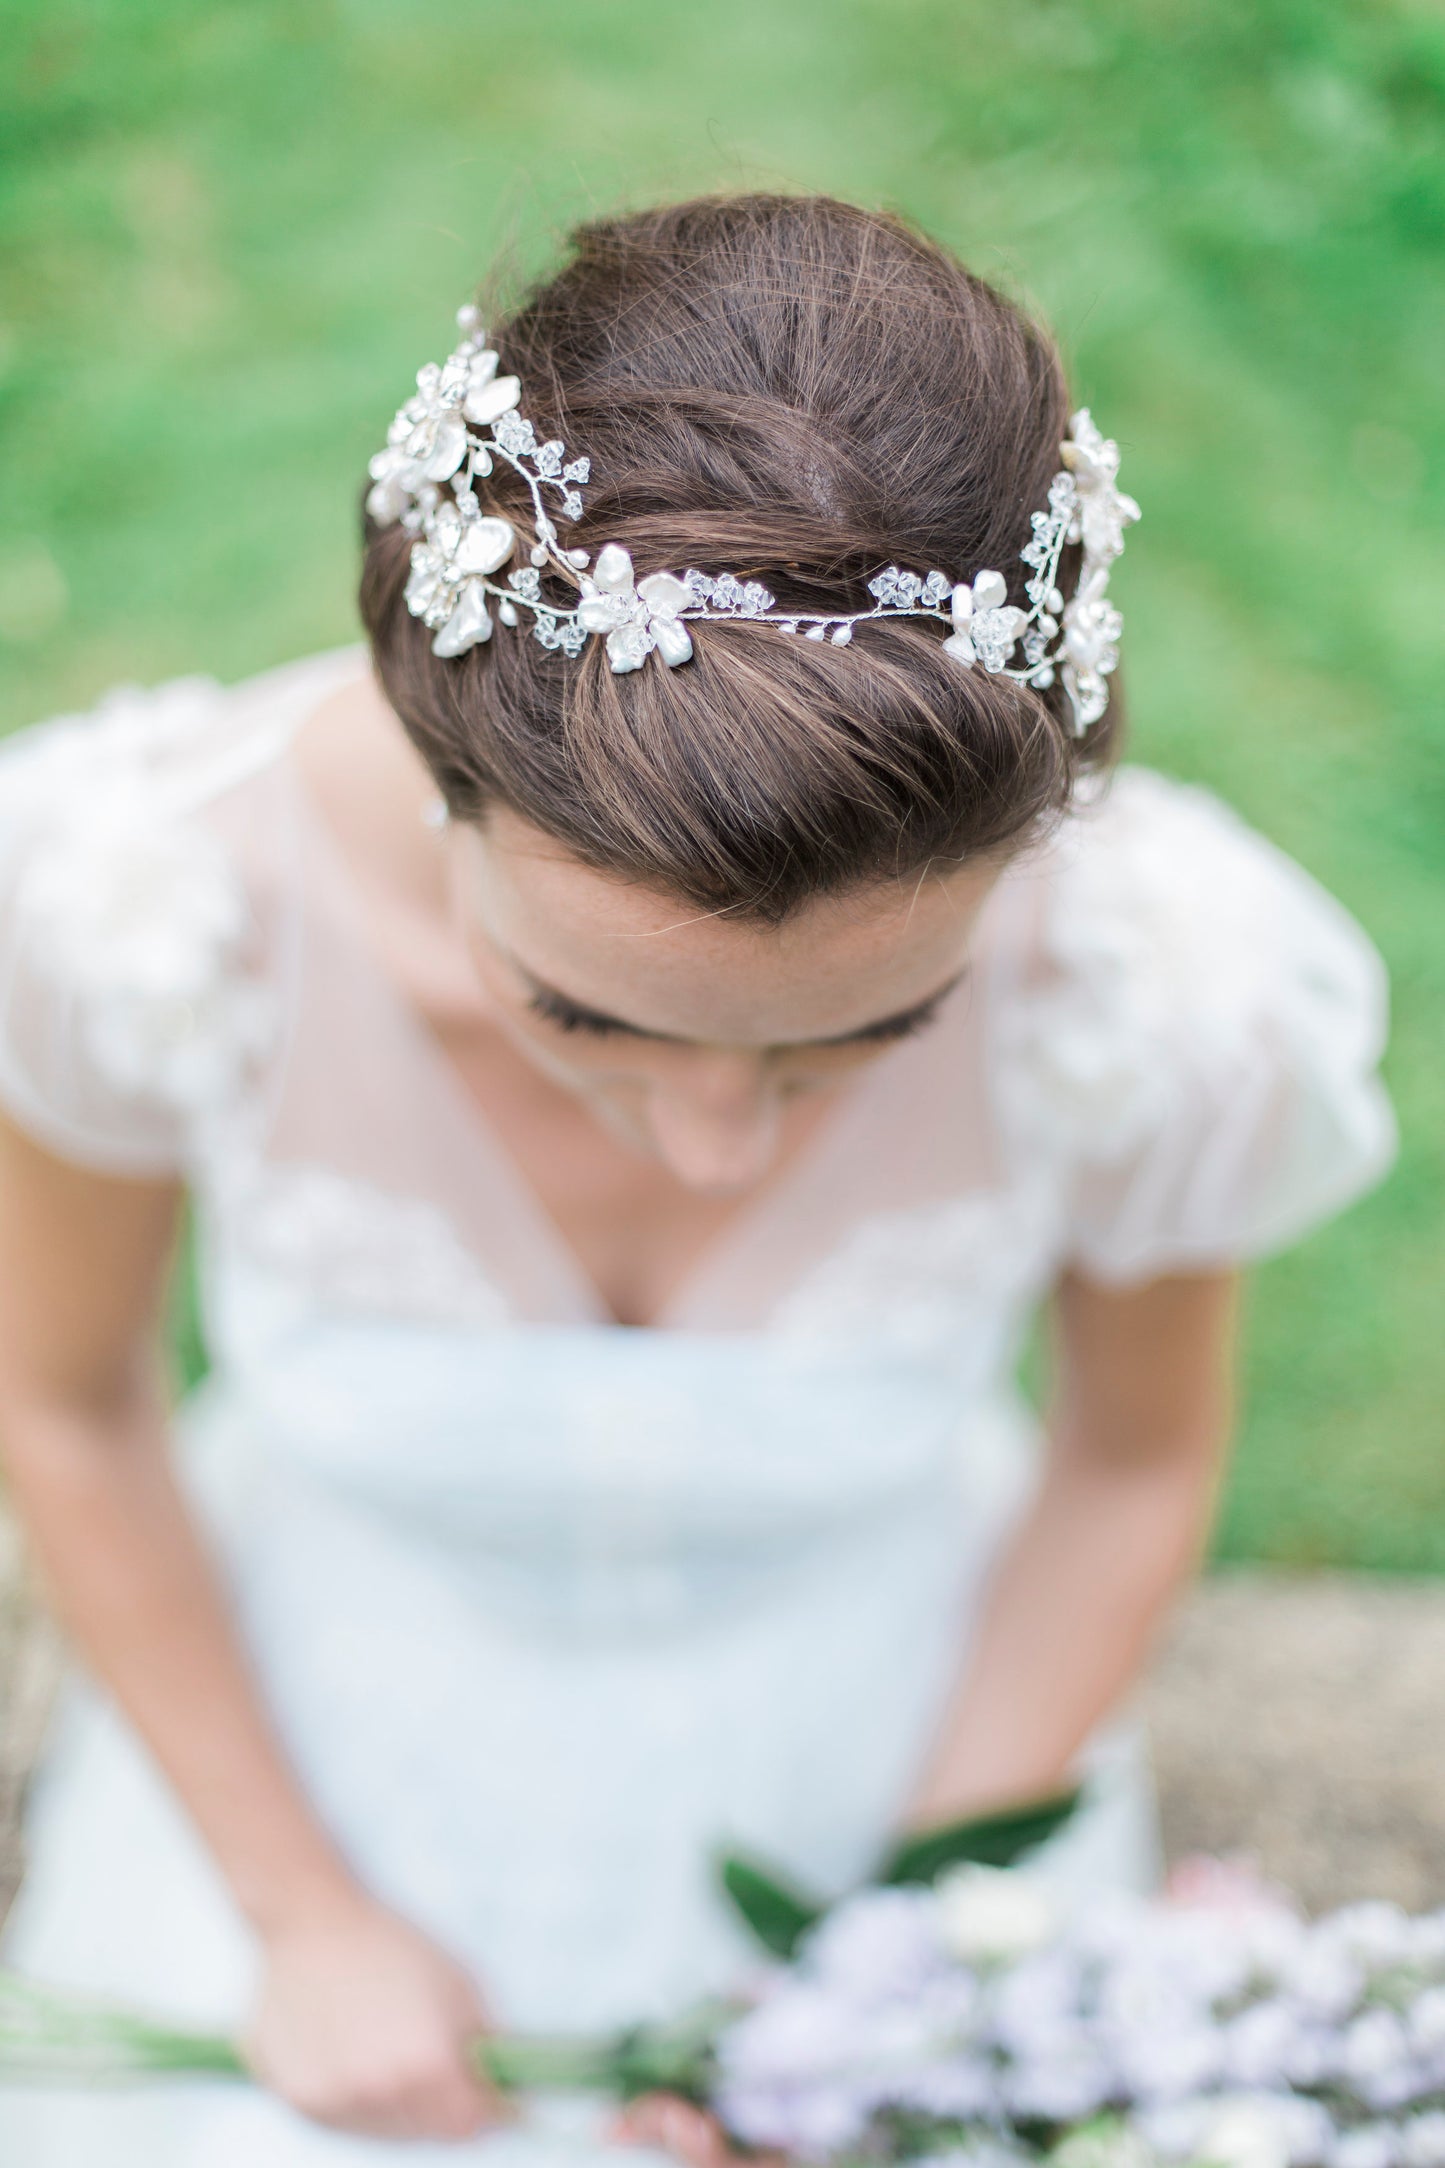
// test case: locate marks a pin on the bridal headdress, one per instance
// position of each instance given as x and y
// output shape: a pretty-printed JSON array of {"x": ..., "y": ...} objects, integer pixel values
[{"x": 463, "y": 417}]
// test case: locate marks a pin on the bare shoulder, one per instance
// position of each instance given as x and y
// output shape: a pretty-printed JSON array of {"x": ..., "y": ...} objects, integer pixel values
[{"x": 369, "y": 783}]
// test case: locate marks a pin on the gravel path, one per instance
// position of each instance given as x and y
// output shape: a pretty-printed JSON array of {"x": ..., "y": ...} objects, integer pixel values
[
  {"x": 1302, "y": 1720},
  {"x": 1298, "y": 1721}
]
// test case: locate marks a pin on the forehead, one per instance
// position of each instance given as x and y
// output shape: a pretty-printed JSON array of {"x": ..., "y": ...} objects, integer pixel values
[{"x": 670, "y": 968}]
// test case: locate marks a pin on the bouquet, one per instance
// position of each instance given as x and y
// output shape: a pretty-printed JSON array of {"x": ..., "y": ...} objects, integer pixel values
[{"x": 983, "y": 2020}]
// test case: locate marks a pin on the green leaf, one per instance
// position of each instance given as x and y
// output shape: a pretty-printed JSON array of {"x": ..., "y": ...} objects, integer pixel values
[
  {"x": 777, "y": 1914},
  {"x": 992, "y": 1840}
]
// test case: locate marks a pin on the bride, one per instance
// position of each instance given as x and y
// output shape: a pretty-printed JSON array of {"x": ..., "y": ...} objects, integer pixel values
[{"x": 641, "y": 1038}]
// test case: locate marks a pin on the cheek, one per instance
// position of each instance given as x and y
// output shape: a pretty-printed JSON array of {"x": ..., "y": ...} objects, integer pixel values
[{"x": 825, "y": 1069}]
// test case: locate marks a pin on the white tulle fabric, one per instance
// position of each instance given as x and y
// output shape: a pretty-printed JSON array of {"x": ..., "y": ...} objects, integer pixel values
[{"x": 548, "y": 1609}]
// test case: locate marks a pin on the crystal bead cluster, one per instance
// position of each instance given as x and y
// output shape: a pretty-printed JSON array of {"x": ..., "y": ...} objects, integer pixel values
[{"x": 463, "y": 417}]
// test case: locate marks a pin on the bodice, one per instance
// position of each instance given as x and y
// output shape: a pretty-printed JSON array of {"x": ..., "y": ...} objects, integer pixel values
[{"x": 1162, "y": 1057}]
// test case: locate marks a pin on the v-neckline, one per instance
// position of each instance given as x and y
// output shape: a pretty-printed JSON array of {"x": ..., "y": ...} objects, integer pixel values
[{"x": 744, "y": 1229}]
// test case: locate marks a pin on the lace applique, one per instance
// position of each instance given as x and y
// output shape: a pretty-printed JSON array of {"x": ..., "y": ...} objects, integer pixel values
[
  {"x": 346, "y": 1242},
  {"x": 1159, "y": 947},
  {"x": 132, "y": 910},
  {"x": 920, "y": 1280}
]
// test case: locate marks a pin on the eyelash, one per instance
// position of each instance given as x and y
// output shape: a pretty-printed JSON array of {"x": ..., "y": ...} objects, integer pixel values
[
  {"x": 563, "y": 1017},
  {"x": 907, "y": 1028}
]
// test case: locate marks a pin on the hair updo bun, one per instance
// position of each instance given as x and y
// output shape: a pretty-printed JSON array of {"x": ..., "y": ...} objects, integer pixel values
[{"x": 795, "y": 391}]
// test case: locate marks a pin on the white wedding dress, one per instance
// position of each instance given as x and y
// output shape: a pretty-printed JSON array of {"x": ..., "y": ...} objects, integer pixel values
[{"x": 549, "y": 1609}]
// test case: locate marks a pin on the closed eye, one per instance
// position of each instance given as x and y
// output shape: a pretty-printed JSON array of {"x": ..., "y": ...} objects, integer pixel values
[
  {"x": 564, "y": 1014},
  {"x": 889, "y": 1028}
]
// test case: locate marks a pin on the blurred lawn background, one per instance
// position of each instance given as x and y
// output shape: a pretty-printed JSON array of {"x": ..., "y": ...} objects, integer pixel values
[{"x": 231, "y": 232}]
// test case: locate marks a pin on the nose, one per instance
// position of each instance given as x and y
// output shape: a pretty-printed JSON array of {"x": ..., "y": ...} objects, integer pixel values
[{"x": 717, "y": 1127}]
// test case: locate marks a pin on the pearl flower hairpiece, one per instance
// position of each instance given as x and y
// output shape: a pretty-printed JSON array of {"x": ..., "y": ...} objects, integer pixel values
[{"x": 463, "y": 417}]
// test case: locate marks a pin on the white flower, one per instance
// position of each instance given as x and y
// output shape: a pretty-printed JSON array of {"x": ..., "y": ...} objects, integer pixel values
[
  {"x": 985, "y": 623},
  {"x": 1427, "y": 2022},
  {"x": 994, "y": 1913},
  {"x": 143, "y": 922},
  {"x": 1102, "y": 511},
  {"x": 1368, "y": 2145},
  {"x": 1092, "y": 628},
  {"x": 636, "y": 615},
  {"x": 1375, "y": 1932},
  {"x": 788, "y": 2071},
  {"x": 1261, "y": 2044},
  {"x": 1065, "y": 2077},
  {"x": 882, "y": 1942},
  {"x": 487, "y": 396},
  {"x": 1246, "y": 2134},
  {"x": 445, "y": 587},
  {"x": 1170, "y": 2057},
  {"x": 956, "y": 2087},
  {"x": 1422, "y": 2140},
  {"x": 427, "y": 440},
  {"x": 1374, "y": 2049}
]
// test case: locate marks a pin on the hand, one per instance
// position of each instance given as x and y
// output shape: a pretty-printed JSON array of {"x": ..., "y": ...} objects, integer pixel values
[
  {"x": 689, "y": 2133},
  {"x": 362, "y": 2023}
]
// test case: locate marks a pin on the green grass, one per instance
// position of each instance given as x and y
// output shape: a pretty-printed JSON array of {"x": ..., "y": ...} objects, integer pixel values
[{"x": 233, "y": 230}]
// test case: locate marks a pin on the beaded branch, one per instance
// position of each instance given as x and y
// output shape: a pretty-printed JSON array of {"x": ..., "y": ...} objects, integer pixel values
[{"x": 463, "y": 418}]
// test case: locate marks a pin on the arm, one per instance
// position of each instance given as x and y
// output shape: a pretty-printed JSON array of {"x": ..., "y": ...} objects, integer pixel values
[
  {"x": 1137, "y": 1431},
  {"x": 360, "y": 2021}
]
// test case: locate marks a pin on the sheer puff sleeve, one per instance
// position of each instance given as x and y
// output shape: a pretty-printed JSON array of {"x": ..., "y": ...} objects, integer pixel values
[
  {"x": 1197, "y": 1043},
  {"x": 133, "y": 1009}
]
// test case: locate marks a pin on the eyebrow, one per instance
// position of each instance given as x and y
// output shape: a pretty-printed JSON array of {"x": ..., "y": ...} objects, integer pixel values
[{"x": 883, "y": 1027}]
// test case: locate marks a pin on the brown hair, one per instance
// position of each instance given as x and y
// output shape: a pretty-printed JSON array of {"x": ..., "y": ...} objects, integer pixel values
[{"x": 801, "y": 392}]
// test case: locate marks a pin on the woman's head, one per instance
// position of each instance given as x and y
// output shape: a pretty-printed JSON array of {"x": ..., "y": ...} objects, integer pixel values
[
  {"x": 797, "y": 391},
  {"x": 694, "y": 893}
]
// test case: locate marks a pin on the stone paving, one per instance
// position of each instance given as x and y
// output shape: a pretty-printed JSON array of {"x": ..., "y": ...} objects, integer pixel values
[
  {"x": 1302, "y": 1720},
  {"x": 1298, "y": 1721}
]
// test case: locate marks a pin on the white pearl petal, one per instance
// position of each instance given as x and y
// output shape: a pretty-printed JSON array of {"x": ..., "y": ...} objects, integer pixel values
[
  {"x": 962, "y": 605},
  {"x": 961, "y": 648},
  {"x": 598, "y": 613},
  {"x": 627, "y": 649},
  {"x": 449, "y": 449},
  {"x": 674, "y": 642},
  {"x": 665, "y": 594},
  {"x": 990, "y": 590},
  {"x": 613, "y": 569},
  {"x": 507, "y": 611},
  {"x": 489, "y": 402},
  {"x": 386, "y": 500},
  {"x": 485, "y": 544},
  {"x": 469, "y": 623}
]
